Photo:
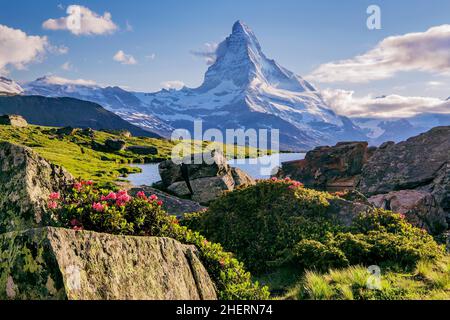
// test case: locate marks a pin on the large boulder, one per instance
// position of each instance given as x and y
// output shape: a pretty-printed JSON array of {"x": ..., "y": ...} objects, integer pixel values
[
  {"x": 204, "y": 177},
  {"x": 115, "y": 144},
  {"x": 13, "y": 120},
  {"x": 143, "y": 150},
  {"x": 53, "y": 263},
  {"x": 26, "y": 181},
  {"x": 332, "y": 168},
  {"x": 421, "y": 163},
  {"x": 419, "y": 207},
  {"x": 410, "y": 164}
]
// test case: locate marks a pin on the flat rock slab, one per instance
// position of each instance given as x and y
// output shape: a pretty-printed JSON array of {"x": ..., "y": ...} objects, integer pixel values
[{"x": 54, "y": 263}]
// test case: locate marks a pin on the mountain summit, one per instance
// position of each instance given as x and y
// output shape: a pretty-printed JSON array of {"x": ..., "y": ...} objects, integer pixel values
[
  {"x": 240, "y": 59},
  {"x": 245, "y": 89}
]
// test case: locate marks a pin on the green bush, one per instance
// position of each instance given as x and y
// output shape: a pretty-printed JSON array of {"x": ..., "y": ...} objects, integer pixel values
[
  {"x": 86, "y": 208},
  {"x": 260, "y": 222},
  {"x": 278, "y": 222}
]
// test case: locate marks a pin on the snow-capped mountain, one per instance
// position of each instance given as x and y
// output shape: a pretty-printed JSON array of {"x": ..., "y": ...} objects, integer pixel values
[
  {"x": 9, "y": 87},
  {"x": 112, "y": 98},
  {"x": 382, "y": 130},
  {"x": 245, "y": 89}
]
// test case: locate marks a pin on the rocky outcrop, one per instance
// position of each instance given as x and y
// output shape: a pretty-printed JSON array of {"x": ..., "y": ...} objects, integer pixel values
[
  {"x": 329, "y": 168},
  {"x": 173, "y": 205},
  {"x": 13, "y": 120},
  {"x": 52, "y": 263},
  {"x": 421, "y": 164},
  {"x": 143, "y": 150},
  {"x": 419, "y": 207},
  {"x": 26, "y": 181},
  {"x": 412, "y": 164},
  {"x": 115, "y": 144},
  {"x": 204, "y": 177}
]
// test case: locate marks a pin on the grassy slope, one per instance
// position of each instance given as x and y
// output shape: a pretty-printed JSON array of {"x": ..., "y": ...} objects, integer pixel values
[
  {"x": 429, "y": 281},
  {"x": 77, "y": 156}
]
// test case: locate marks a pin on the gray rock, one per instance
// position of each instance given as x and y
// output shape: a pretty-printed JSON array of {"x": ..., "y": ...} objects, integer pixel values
[
  {"x": 208, "y": 179},
  {"x": 411, "y": 164},
  {"x": 419, "y": 207},
  {"x": 334, "y": 168},
  {"x": 115, "y": 144},
  {"x": 26, "y": 181},
  {"x": 241, "y": 178},
  {"x": 66, "y": 131},
  {"x": 13, "y": 120},
  {"x": 92, "y": 266},
  {"x": 209, "y": 164},
  {"x": 143, "y": 150},
  {"x": 421, "y": 163}
]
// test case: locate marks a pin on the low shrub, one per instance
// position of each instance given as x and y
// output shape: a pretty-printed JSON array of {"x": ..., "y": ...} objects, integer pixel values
[
  {"x": 278, "y": 223},
  {"x": 86, "y": 208}
]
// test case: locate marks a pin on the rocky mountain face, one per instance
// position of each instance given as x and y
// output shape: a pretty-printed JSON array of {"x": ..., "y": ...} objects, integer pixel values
[
  {"x": 60, "y": 112},
  {"x": 52, "y": 263},
  {"x": 410, "y": 177}
]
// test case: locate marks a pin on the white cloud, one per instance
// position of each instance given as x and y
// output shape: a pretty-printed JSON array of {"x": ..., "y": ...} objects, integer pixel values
[
  {"x": 63, "y": 81},
  {"x": 124, "y": 58},
  {"x": 67, "y": 66},
  {"x": 392, "y": 106},
  {"x": 208, "y": 53},
  {"x": 427, "y": 51},
  {"x": 174, "y": 84},
  {"x": 151, "y": 56},
  {"x": 17, "y": 49},
  {"x": 82, "y": 21}
]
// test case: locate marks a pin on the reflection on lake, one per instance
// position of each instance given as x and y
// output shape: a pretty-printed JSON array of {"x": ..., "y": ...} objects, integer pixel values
[{"x": 258, "y": 168}]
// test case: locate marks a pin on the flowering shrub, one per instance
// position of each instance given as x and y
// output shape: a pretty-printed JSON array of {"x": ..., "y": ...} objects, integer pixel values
[
  {"x": 87, "y": 208},
  {"x": 279, "y": 222}
]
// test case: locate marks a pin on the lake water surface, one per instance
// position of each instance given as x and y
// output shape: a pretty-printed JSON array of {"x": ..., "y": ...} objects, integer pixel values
[{"x": 258, "y": 168}]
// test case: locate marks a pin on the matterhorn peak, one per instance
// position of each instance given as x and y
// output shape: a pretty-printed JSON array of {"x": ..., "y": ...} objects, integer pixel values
[{"x": 240, "y": 60}]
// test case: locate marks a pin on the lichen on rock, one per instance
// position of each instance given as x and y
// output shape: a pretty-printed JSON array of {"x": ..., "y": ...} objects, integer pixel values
[
  {"x": 26, "y": 181},
  {"x": 55, "y": 263}
]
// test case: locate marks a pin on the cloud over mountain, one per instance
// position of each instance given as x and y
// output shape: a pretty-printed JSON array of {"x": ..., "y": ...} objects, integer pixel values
[
  {"x": 427, "y": 51},
  {"x": 392, "y": 106}
]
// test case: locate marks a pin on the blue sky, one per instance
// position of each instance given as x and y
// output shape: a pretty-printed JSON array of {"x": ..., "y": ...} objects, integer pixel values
[{"x": 300, "y": 35}]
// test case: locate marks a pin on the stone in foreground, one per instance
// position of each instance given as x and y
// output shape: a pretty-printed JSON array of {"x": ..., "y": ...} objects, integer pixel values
[
  {"x": 54, "y": 263},
  {"x": 13, "y": 120},
  {"x": 26, "y": 181}
]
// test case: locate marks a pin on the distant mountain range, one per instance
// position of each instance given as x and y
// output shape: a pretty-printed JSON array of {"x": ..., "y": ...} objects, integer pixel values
[
  {"x": 72, "y": 112},
  {"x": 242, "y": 89}
]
